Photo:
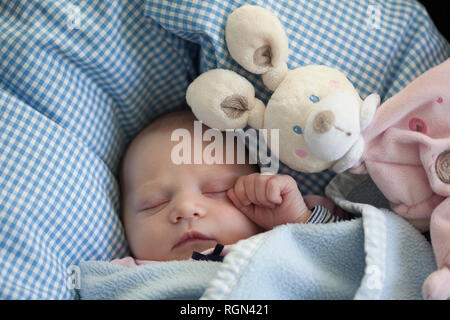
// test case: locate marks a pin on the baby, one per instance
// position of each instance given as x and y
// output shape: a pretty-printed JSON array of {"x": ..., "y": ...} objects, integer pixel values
[{"x": 169, "y": 210}]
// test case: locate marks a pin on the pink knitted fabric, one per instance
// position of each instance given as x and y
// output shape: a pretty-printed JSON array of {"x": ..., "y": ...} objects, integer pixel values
[{"x": 407, "y": 154}]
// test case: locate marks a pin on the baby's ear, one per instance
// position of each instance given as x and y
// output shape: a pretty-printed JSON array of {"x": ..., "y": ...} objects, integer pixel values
[
  {"x": 257, "y": 41},
  {"x": 222, "y": 99}
]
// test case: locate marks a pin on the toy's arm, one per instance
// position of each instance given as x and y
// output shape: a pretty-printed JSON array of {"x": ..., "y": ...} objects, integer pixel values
[
  {"x": 351, "y": 157},
  {"x": 222, "y": 99},
  {"x": 368, "y": 108}
]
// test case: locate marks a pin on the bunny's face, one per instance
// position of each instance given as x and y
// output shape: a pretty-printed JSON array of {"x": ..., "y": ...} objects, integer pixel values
[{"x": 297, "y": 109}]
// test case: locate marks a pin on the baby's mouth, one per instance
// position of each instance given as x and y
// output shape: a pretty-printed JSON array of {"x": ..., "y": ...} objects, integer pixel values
[{"x": 191, "y": 236}]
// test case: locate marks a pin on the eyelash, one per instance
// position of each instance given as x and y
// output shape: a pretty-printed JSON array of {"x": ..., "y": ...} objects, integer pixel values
[
  {"x": 155, "y": 206},
  {"x": 214, "y": 193}
]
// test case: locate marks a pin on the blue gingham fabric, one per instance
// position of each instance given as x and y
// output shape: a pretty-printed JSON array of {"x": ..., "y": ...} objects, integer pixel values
[{"x": 78, "y": 79}]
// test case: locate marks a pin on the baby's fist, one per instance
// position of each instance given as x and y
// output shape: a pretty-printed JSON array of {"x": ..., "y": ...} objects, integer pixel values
[{"x": 269, "y": 200}]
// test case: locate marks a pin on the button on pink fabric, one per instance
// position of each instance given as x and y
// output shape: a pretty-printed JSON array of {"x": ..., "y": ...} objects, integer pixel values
[{"x": 443, "y": 166}]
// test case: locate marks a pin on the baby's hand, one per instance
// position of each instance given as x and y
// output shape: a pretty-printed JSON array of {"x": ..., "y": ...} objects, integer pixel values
[{"x": 269, "y": 200}]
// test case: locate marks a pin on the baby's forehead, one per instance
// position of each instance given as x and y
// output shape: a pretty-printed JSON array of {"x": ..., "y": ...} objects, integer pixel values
[
  {"x": 160, "y": 145},
  {"x": 189, "y": 135}
]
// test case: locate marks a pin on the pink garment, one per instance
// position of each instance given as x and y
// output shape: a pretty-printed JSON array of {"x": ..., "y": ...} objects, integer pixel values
[{"x": 407, "y": 154}]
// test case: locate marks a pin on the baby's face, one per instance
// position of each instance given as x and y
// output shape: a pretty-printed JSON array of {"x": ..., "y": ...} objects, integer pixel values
[{"x": 171, "y": 210}]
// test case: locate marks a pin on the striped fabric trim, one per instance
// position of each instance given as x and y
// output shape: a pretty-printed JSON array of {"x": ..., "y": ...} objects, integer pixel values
[{"x": 320, "y": 214}]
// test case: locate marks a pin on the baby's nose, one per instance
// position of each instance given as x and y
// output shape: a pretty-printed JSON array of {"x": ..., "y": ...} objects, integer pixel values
[
  {"x": 323, "y": 121},
  {"x": 186, "y": 208},
  {"x": 188, "y": 214}
]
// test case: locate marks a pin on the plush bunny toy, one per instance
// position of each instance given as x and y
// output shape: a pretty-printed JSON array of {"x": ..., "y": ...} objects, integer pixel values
[
  {"x": 317, "y": 110},
  {"x": 323, "y": 123}
]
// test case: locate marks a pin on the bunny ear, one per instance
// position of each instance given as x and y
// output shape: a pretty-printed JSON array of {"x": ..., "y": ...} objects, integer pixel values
[
  {"x": 257, "y": 41},
  {"x": 223, "y": 99}
]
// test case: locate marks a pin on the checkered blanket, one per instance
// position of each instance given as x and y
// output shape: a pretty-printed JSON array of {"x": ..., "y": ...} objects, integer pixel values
[{"x": 78, "y": 79}]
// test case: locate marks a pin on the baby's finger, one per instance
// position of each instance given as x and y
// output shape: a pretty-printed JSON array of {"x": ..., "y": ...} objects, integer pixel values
[
  {"x": 239, "y": 191},
  {"x": 234, "y": 199},
  {"x": 260, "y": 191},
  {"x": 273, "y": 189},
  {"x": 232, "y": 196},
  {"x": 249, "y": 184}
]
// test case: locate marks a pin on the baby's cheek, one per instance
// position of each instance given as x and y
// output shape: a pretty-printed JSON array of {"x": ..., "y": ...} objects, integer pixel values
[
  {"x": 145, "y": 237},
  {"x": 236, "y": 225},
  {"x": 137, "y": 242}
]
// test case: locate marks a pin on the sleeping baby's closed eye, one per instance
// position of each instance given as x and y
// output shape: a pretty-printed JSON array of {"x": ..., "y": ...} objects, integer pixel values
[
  {"x": 220, "y": 194},
  {"x": 154, "y": 204},
  {"x": 217, "y": 189}
]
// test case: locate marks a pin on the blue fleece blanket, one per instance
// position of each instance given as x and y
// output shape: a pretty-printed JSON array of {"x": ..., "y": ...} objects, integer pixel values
[{"x": 376, "y": 256}]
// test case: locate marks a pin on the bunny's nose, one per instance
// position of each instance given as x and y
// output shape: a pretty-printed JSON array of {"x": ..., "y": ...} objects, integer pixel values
[{"x": 323, "y": 121}]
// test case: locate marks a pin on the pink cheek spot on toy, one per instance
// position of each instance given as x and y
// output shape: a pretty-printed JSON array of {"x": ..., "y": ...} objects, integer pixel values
[
  {"x": 334, "y": 84},
  {"x": 439, "y": 100},
  {"x": 301, "y": 153},
  {"x": 416, "y": 124}
]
